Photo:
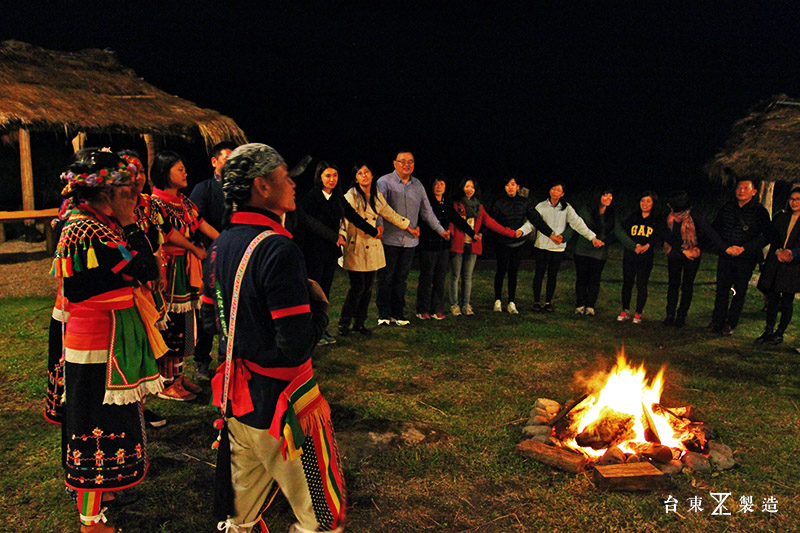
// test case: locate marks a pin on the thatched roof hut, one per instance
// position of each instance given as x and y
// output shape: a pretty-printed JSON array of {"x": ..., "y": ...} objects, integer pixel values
[
  {"x": 764, "y": 145},
  {"x": 91, "y": 92}
]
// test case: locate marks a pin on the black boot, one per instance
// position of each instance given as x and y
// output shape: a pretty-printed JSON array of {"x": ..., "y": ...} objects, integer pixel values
[
  {"x": 344, "y": 330},
  {"x": 680, "y": 321},
  {"x": 766, "y": 336},
  {"x": 669, "y": 320}
]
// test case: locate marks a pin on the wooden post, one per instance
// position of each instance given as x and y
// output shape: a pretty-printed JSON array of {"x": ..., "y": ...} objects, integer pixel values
[
  {"x": 150, "y": 141},
  {"x": 26, "y": 169},
  {"x": 766, "y": 192},
  {"x": 78, "y": 141}
]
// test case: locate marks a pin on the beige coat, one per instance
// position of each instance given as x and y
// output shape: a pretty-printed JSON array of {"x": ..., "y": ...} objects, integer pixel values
[{"x": 362, "y": 252}]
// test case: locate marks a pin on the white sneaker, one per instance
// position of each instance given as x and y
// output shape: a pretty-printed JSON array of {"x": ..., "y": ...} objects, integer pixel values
[
  {"x": 383, "y": 322},
  {"x": 580, "y": 310},
  {"x": 498, "y": 306},
  {"x": 590, "y": 311},
  {"x": 637, "y": 318},
  {"x": 455, "y": 310},
  {"x": 400, "y": 322},
  {"x": 468, "y": 310},
  {"x": 623, "y": 316},
  {"x": 512, "y": 308}
]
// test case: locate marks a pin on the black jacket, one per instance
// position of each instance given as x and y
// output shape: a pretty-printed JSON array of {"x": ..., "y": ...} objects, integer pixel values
[{"x": 748, "y": 226}]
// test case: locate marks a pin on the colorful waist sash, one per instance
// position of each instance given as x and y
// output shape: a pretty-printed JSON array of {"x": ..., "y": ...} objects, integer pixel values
[
  {"x": 110, "y": 328},
  {"x": 305, "y": 410}
]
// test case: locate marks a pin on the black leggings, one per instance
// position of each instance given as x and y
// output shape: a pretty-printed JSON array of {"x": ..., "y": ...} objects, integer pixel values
[
  {"x": 588, "y": 271},
  {"x": 508, "y": 260},
  {"x": 638, "y": 273},
  {"x": 549, "y": 262}
]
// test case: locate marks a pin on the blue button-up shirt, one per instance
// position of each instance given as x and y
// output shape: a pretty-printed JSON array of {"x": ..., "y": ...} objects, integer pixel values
[{"x": 409, "y": 200}]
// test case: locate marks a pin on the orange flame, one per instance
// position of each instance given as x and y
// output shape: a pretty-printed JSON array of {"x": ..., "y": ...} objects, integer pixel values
[{"x": 627, "y": 391}]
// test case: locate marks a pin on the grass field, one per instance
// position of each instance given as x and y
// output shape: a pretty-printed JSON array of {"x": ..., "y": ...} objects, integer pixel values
[{"x": 464, "y": 387}]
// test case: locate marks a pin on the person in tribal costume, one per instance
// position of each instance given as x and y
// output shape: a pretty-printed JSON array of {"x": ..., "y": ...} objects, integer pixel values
[
  {"x": 183, "y": 271},
  {"x": 276, "y": 425},
  {"x": 110, "y": 341}
]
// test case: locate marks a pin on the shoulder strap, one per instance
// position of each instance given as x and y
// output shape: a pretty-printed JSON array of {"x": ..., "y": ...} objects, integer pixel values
[{"x": 231, "y": 329}]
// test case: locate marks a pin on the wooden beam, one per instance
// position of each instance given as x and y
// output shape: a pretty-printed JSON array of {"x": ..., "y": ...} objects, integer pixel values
[{"x": 26, "y": 169}]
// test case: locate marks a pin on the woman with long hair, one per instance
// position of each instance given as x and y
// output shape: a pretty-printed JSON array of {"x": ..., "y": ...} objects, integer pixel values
[
  {"x": 321, "y": 213},
  {"x": 109, "y": 348},
  {"x": 464, "y": 250},
  {"x": 590, "y": 260},
  {"x": 639, "y": 235},
  {"x": 780, "y": 277},
  {"x": 183, "y": 271},
  {"x": 685, "y": 229},
  {"x": 363, "y": 253},
  {"x": 434, "y": 252},
  {"x": 514, "y": 210},
  {"x": 548, "y": 254}
]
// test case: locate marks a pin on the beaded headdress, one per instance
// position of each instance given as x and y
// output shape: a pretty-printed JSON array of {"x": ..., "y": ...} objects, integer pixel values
[{"x": 119, "y": 172}]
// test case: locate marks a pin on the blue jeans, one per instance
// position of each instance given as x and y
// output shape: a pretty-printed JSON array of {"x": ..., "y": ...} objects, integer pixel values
[
  {"x": 391, "y": 298},
  {"x": 461, "y": 267}
]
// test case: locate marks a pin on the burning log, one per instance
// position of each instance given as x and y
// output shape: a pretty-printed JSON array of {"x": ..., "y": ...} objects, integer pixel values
[
  {"x": 609, "y": 429},
  {"x": 656, "y": 452},
  {"x": 562, "y": 422},
  {"x": 629, "y": 476},
  {"x": 697, "y": 440},
  {"x": 557, "y": 457}
]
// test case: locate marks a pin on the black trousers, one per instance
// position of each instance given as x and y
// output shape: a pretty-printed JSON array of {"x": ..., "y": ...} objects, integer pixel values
[
  {"x": 682, "y": 272},
  {"x": 508, "y": 260},
  {"x": 358, "y": 297},
  {"x": 635, "y": 273},
  {"x": 732, "y": 273},
  {"x": 433, "y": 266},
  {"x": 321, "y": 267},
  {"x": 783, "y": 303},
  {"x": 588, "y": 271},
  {"x": 546, "y": 262}
]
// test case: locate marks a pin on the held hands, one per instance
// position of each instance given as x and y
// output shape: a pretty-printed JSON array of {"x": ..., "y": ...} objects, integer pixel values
[
  {"x": 414, "y": 232},
  {"x": 692, "y": 253},
  {"x": 199, "y": 252},
  {"x": 380, "y": 232},
  {"x": 478, "y": 237},
  {"x": 597, "y": 243},
  {"x": 558, "y": 239},
  {"x": 641, "y": 248},
  {"x": 784, "y": 256},
  {"x": 518, "y": 234},
  {"x": 315, "y": 292},
  {"x": 445, "y": 234},
  {"x": 734, "y": 250},
  {"x": 341, "y": 241}
]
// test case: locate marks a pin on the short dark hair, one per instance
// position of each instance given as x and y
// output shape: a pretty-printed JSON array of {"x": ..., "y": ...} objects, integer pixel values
[
  {"x": 651, "y": 194},
  {"x": 754, "y": 181},
  {"x": 220, "y": 146},
  {"x": 403, "y": 152},
  {"x": 321, "y": 166},
  {"x": 162, "y": 164},
  {"x": 679, "y": 201}
]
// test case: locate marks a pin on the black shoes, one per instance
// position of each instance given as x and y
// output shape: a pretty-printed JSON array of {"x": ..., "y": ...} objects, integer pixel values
[
  {"x": 537, "y": 307},
  {"x": 726, "y": 331},
  {"x": 679, "y": 322},
  {"x": 154, "y": 420},
  {"x": 344, "y": 330},
  {"x": 548, "y": 308},
  {"x": 364, "y": 330},
  {"x": 669, "y": 320}
]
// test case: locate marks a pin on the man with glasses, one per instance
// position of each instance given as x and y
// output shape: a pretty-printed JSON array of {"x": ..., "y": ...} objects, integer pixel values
[{"x": 406, "y": 195}]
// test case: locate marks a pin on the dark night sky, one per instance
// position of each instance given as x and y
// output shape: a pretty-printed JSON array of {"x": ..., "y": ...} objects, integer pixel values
[{"x": 589, "y": 92}]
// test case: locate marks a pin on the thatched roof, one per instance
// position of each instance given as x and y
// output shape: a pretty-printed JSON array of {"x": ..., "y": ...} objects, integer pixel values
[
  {"x": 765, "y": 144},
  {"x": 91, "y": 91}
]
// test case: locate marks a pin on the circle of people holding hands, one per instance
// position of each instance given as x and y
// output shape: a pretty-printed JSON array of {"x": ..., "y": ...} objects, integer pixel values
[{"x": 146, "y": 279}]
